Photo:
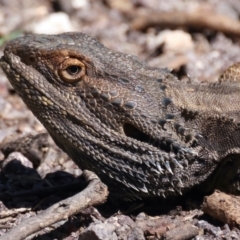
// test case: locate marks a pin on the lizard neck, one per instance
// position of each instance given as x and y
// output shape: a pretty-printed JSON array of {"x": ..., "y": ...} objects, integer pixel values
[{"x": 213, "y": 109}]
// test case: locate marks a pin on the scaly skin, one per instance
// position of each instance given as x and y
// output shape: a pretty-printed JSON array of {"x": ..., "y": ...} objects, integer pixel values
[{"x": 144, "y": 132}]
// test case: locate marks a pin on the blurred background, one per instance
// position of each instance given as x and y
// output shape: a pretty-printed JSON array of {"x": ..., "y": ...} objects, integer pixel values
[{"x": 199, "y": 38}]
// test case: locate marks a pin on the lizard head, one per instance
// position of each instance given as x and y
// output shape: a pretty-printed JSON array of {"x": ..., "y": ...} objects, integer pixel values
[{"x": 108, "y": 110}]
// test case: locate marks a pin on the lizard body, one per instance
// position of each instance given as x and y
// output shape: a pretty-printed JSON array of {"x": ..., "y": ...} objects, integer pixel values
[{"x": 144, "y": 132}]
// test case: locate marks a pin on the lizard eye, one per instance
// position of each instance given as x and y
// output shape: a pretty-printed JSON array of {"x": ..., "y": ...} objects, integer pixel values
[{"x": 71, "y": 70}]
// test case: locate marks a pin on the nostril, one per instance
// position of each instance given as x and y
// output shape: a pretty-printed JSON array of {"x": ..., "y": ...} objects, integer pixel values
[
  {"x": 28, "y": 59},
  {"x": 133, "y": 132}
]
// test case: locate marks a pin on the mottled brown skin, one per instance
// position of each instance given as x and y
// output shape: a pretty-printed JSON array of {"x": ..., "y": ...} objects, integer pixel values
[{"x": 144, "y": 132}]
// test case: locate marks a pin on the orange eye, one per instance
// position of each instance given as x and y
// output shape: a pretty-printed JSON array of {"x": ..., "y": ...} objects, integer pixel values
[{"x": 71, "y": 70}]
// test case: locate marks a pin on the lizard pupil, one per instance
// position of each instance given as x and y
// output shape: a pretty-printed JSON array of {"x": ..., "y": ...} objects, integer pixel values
[{"x": 74, "y": 69}]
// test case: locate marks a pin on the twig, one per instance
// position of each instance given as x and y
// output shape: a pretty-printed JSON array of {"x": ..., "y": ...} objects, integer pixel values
[
  {"x": 223, "y": 207},
  {"x": 198, "y": 19},
  {"x": 95, "y": 193}
]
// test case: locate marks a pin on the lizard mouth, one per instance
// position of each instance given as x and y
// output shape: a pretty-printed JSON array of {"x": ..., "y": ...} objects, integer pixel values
[
  {"x": 165, "y": 144},
  {"x": 132, "y": 132}
]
